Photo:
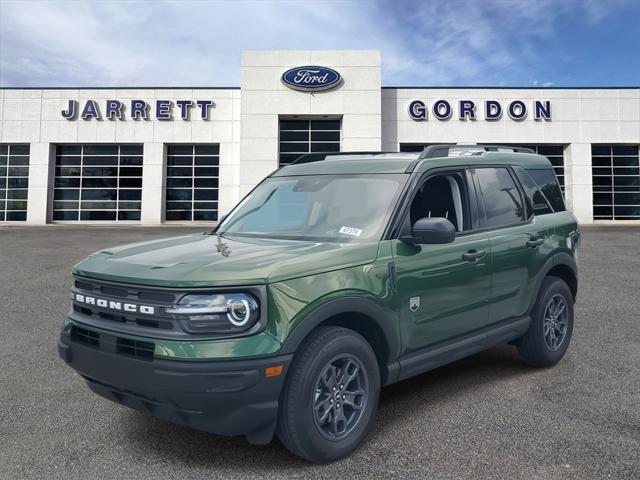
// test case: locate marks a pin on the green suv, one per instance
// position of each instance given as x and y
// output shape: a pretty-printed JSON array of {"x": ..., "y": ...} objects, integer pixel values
[{"x": 334, "y": 277}]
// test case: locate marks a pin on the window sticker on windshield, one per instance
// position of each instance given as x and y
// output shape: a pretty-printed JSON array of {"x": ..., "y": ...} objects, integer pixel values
[{"x": 354, "y": 232}]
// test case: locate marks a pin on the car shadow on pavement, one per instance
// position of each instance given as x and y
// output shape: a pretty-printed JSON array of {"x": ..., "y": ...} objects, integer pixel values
[{"x": 398, "y": 403}]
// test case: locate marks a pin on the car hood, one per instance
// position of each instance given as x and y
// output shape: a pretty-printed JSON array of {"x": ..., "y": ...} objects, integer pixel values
[{"x": 200, "y": 260}]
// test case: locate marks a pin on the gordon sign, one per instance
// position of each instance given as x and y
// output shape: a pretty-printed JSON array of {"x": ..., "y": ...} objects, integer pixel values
[
  {"x": 137, "y": 109},
  {"x": 490, "y": 110},
  {"x": 311, "y": 78}
]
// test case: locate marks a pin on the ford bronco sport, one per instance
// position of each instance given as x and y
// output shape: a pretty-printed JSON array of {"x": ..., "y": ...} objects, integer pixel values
[{"x": 330, "y": 279}]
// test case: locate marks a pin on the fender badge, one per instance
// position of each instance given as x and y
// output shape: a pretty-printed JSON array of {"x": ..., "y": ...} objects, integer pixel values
[{"x": 414, "y": 304}]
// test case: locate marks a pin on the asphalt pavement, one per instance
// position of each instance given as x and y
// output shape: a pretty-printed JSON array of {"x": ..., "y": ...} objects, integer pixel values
[{"x": 487, "y": 416}]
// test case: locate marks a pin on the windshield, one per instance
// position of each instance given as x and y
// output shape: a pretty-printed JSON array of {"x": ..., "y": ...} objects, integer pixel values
[{"x": 339, "y": 208}]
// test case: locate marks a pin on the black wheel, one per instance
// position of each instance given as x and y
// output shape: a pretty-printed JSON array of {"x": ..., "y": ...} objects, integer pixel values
[
  {"x": 330, "y": 396},
  {"x": 549, "y": 334}
]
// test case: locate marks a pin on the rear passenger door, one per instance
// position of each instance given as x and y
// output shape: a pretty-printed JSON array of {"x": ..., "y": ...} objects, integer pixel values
[{"x": 518, "y": 242}]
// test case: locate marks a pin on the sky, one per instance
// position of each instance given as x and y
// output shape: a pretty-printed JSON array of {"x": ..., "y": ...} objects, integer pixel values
[{"x": 527, "y": 43}]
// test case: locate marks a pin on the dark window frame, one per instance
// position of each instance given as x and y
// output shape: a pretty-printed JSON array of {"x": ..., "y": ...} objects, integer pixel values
[
  {"x": 610, "y": 178},
  {"x": 15, "y": 159},
  {"x": 103, "y": 159},
  {"x": 194, "y": 164},
  {"x": 310, "y": 145}
]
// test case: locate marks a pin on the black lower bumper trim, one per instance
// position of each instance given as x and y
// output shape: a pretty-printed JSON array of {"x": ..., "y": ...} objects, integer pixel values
[{"x": 221, "y": 397}]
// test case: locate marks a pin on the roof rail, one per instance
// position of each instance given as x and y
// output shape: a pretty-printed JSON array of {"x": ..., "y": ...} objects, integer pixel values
[
  {"x": 319, "y": 156},
  {"x": 456, "y": 150}
]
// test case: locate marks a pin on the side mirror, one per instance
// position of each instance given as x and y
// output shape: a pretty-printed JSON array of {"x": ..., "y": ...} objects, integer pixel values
[{"x": 432, "y": 230}]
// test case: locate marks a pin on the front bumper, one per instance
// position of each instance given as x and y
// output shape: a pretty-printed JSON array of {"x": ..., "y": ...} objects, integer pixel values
[{"x": 222, "y": 397}]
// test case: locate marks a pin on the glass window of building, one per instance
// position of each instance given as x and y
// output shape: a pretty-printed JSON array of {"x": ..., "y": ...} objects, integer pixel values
[
  {"x": 98, "y": 183},
  {"x": 14, "y": 182},
  {"x": 298, "y": 137},
  {"x": 192, "y": 182},
  {"x": 616, "y": 182}
]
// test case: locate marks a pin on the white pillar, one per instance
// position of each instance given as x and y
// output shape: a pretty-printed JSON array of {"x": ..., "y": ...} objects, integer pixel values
[
  {"x": 578, "y": 181},
  {"x": 228, "y": 177},
  {"x": 153, "y": 183},
  {"x": 41, "y": 174}
]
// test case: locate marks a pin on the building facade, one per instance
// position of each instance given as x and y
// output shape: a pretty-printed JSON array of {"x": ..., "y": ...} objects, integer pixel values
[{"x": 155, "y": 155}]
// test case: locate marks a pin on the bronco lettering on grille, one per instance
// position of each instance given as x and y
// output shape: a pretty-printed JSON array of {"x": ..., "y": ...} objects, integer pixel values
[{"x": 114, "y": 305}]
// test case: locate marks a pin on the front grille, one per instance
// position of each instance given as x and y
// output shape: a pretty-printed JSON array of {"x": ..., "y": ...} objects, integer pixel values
[
  {"x": 114, "y": 292},
  {"x": 124, "y": 346},
  {"x": 132, "y": 322},
  {"x": 146, "y": 322},
  {"x": 125, "y": 292},
  {"x": 110, "y": 316},
  {"x": 85, "y": 337},
  {"x": 142, "y": 322},
  {"x": 83, "y": 285},
  {"x": 157, "y": 297},
  {"x": 135, "y": 348}
]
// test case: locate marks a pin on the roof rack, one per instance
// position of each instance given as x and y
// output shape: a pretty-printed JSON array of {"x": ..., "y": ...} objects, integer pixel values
[
  {"x": 319, "y": 156},
  {"x": 459, "y": 150}
]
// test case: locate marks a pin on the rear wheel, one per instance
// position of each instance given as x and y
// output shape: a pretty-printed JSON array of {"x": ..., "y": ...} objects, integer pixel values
[
  {"x": 549, "y": 334},
  {"x": 330, "y": 396}
]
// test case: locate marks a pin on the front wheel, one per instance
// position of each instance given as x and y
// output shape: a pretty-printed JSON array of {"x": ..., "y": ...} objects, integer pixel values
[
  {"x": 330, "y": 396},
  {"x": 549, "y": 334}
]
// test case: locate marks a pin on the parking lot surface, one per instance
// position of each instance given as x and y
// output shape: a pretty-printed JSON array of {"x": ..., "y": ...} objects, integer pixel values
[{"x": 487, "y": 416}]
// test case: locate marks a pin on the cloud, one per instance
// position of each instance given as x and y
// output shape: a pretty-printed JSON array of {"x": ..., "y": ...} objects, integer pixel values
[{"x": 163, "y": 43}]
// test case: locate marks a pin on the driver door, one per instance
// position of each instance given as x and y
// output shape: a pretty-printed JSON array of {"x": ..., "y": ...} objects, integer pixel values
[{"x": 443, "y": 290}]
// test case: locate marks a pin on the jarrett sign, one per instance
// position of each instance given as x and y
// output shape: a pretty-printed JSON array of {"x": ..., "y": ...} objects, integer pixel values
[
  {"x": 489, "y": 110},
  {"x": 137, "y": 109}
]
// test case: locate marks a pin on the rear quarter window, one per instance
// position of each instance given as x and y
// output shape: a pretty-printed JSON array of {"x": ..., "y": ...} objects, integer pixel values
[
  {"x": 548, "y": 183},
  {"x": 537, "y": 203}
]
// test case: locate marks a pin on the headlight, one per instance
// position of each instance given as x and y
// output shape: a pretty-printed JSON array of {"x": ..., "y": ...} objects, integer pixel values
[{"x": 216, "y": 313}]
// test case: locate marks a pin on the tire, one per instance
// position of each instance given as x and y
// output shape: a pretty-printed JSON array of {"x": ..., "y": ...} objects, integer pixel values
[
  {"x": 333, "y": 353},
  {"x": 536, "y": 348}
]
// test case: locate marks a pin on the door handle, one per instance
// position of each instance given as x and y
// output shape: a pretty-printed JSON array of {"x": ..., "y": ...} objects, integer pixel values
[
  {"x": 473, "y": 255},
  {"x": 534, "y": 243}
]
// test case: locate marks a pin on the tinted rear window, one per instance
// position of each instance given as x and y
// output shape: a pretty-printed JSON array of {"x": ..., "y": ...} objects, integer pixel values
[
  {"x": 548, "y": 183},
  {"x": 537, "y": 204}
]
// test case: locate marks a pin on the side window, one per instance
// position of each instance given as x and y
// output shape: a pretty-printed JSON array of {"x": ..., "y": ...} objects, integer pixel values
[
  {"x": 443, "y": 196},
  {"x": 548, "y": 183},
  {"x": 537, "y": 203},
  {"x": 501, "y": 197}
]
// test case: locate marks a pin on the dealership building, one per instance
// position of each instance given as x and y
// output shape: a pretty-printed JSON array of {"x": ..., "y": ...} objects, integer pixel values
[{"x": 156, "y": 155}]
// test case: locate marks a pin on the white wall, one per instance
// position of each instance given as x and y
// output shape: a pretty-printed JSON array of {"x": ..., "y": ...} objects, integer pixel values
[{"x": 580, "y": 116}]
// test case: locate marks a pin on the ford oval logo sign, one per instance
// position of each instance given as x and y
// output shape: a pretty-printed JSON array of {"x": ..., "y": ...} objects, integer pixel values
[{"x": 311, "y": 78}]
